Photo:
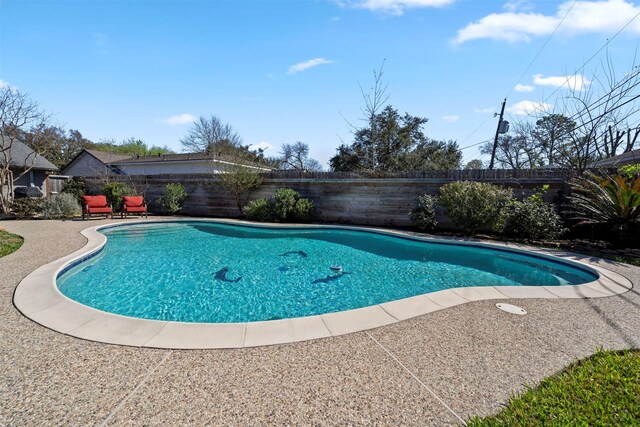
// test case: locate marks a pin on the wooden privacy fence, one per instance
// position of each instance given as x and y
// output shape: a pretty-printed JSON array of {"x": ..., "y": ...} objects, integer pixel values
[{"x": 349, "y": 198}]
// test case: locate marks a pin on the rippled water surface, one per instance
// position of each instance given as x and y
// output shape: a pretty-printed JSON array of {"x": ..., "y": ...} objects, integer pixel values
[{"x": 211, "y": 272}]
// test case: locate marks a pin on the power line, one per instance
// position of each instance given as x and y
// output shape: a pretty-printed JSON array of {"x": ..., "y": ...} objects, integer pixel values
[
  {"x": 544, "y": 45},
  {"x": 600, "y": 102},
  {"x": 607, "y": 112},
  {"x": 476, "y": 129},
  {"x": 542, "y": 48},
  {"x": 581, "y": 68},
  {"x": 605, "y": 98},
  {"x": 476, "y": 144},
  {"x": 584, "y": 64}
]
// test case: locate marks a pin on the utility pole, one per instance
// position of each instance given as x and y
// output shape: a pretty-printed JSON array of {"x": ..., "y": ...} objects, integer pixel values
[{"x": 499, "y": 130}]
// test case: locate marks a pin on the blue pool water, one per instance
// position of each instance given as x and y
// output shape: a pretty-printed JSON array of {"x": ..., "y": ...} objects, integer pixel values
[{"x": 212, "y": 272}]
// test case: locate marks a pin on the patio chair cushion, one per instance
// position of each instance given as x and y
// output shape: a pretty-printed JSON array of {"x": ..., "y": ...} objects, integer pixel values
[
  {"x": 93, "y": 202},
  {"x": 102, "y": 209},
  {"x": 132, "y": 202}
]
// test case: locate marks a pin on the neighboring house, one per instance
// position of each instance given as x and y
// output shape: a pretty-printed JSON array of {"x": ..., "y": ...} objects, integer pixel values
[
  {"x": 628, "y": 158},
  {"x": 28, "y": 168},
  {"x": 93, "y": 163},
  {"x": 97, "y": 163}
]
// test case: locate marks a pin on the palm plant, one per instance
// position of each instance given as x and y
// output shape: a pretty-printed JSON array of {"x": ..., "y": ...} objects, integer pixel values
[{"x": 610, "y": 200}]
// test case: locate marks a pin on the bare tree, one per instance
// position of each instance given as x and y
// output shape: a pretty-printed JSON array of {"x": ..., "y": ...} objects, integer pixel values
[
  {"x": 606, "y": 113},
  {"x": 296, "y": 157},
  {"x": 18, "y": 114},
  {"x": 210, "y": 135},
  {"x": 517, "y": 150},
  {"x": 374, "y": 100}
]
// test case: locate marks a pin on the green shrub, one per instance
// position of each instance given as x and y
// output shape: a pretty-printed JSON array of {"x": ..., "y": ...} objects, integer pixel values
[
  {"x": 64, "y": 205},
  {"x": 259, "y": 210},
  {"x": 114, "y": 192},
  {"x": 630, "y": 171},
  {"x": 423, "y": 215},
  {"x": 27, "y": 207},
  {"x": 303, "y": 211},
  {"x": 75, "y": 186},
  {"x": 173, "y": 197},
  {"x": 285, "y": 201},
  {"x": 286, "y": 206},
  {"x": 534, "y": 219},
  {"x": 475, "y": 205}
]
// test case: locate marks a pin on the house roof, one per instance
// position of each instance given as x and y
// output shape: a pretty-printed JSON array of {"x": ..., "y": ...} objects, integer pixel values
[
  {"x": 107, "y": 157},
  {"x": 186, "y": 157},
  {"x": 21, "y": 156},
  {"x": 111, "y": 159},
  {"x": 620, "y": 160}
]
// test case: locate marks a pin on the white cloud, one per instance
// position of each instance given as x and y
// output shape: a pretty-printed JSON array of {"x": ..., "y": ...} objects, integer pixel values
[
  {"x": 575, "y": 82},
  {"x": 180, "y": 119},
  {"x": 395, "y": 7},
  {"x": 483, "y": 110},
  {"x": 525, "y": 108},
  {"x": 4, "y": 85},
  {"x": 523, "y": 88},
  {"x": 262, "y": 144},
  {"x": 586, "y": 16},
  {"x": 451, "y": 118},
  {"x": 516, "y": 5},
  {"x": 301, "y": 66}
]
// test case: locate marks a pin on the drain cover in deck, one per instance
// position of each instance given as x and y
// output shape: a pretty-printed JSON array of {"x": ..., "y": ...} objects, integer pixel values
[{"x": 510, "y": 308}]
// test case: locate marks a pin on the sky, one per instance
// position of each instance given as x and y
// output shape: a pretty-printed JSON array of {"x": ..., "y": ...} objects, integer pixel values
[{"x": 287, "y": 71}]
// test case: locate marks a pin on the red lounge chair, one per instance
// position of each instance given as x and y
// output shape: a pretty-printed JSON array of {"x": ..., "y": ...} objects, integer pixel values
[
  {"x": 133, "y": 204},
  {"x": 96, "y": 205}
]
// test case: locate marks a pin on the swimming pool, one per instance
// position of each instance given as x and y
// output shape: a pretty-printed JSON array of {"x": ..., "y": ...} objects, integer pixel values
[{"x": 209, "y": 272}]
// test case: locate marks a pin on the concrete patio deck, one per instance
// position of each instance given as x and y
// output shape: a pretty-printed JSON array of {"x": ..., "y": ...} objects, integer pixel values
[{"x": 436, "y": 369}]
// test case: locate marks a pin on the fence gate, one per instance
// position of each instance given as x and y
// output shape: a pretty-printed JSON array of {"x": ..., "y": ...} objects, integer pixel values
[{"x": 54, "y": 184}]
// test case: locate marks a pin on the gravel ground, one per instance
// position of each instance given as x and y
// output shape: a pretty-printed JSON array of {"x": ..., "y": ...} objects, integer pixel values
[{"x": 436, "y": 369}]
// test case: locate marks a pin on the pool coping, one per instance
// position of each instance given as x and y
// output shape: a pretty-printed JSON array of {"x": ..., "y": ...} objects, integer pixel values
[{"x": 38, "y": 298}]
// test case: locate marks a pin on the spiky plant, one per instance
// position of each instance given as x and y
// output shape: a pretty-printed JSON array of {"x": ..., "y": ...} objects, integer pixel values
[{"x": 611, "y": 200}]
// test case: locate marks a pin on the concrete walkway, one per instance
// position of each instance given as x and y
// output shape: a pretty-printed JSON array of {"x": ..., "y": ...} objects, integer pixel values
[{"x": 437, "y": 369}]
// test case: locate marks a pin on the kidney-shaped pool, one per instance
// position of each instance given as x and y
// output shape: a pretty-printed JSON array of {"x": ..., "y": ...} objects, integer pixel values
[{"x": 219, "y": 273}]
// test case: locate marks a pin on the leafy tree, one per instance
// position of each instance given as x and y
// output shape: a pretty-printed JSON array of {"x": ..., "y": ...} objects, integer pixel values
[
  {"x": 296, "y": 157},
  {"x": 551, "y": 133},
  {"x": 474, "y": 164},
  {"x": 130, "y": 147},
  {"x": 435, "y": 155},
  {"x": 395, "y": 143},
  {"x": 55, "y": 143}
]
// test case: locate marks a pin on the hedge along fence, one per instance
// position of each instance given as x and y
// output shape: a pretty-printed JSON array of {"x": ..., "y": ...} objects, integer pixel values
[{"x": 344, "y": 197}]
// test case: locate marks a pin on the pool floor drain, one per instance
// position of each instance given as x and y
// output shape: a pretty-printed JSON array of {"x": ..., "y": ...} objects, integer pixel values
[{"x": 510, "y": 308}]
